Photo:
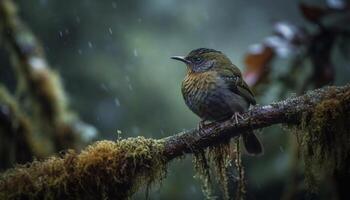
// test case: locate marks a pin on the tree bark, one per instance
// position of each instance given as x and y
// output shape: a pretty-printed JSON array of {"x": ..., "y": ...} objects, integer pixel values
[{"x": 289, "y": 111}]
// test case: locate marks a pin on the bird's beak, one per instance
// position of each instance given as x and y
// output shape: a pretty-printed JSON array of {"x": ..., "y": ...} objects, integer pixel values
[{"x": 180, "y": 58}]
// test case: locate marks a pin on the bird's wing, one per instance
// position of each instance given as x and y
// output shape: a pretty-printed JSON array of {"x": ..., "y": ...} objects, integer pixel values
[{"x": 233, "y": 78}]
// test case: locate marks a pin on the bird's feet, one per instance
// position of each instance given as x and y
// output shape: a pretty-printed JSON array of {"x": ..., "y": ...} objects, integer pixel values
[
  {"x": 235, "y": 117},
  {"x": 201, "y": 126}
]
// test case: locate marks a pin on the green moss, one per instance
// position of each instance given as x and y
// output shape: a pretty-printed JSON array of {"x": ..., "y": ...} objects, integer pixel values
[
  {"x": 202, "y": 169},
  {"x": 16, "y": 143},
  {"x": 325, "y": 141},
  {"x": 217, "y": 161},
  {"x": 104, "y": 170}
]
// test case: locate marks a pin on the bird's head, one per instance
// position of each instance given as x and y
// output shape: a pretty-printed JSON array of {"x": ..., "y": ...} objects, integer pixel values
[{"x": 203, "y": 59}]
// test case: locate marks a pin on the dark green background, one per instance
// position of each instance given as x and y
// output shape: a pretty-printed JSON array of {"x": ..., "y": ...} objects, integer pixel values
[{"x": 113, "y": 57}]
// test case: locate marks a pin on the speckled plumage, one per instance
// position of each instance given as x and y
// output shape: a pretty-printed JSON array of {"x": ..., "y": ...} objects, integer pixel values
[
  {"x": 213, "y": 89},
  {"x": 208, "y": 96}
]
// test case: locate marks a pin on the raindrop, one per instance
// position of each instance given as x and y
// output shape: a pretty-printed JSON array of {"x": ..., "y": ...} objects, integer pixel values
[
  {"x": 110, "y": 30},
  {"x": 117, "y": 102},
  {"x": 77, "y": 19},
  {"x": 61, "y": 34},
  {"x": 136, "y": 53},
  {"x": 281, "y": 149},
  {"x": 114, "y": 5},
  {"x": 80, "y": 51},
  {"x": 90, "y": 44},
  {"x": 104, "y": 87},
  {"x": 127, "y": 78},
  {"x": 130, "y": 87}
]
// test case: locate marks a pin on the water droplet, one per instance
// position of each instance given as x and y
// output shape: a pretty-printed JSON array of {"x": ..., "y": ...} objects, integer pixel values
[
  {"x": 117, "y": 102},
  {"x": 90, "y": 44},
  {"x": 281, "y": 149},
  {"x": 136, "y": 53},
  {"x": 104, "y": 87},
  {"x": 114, "y": 5},
  {"x": 110, "y": 30},
  {"x": 77, "y": 19}
]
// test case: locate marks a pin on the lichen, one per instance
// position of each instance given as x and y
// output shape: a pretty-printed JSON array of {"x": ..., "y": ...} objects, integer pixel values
[
  {"x": 202, "y": 169},
  {"x": 104, "y": 170},
  {"x": 241, "y": 181},
  {"x": 325, "y": 140},
  {"x": 220, "y": 161}
]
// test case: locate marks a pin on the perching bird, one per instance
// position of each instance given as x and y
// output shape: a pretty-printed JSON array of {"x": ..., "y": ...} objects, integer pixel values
[{"x": 215, "y": 90}]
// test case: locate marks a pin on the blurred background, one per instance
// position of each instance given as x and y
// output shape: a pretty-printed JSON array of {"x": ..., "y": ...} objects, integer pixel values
[{"x": 114, "y": 61}]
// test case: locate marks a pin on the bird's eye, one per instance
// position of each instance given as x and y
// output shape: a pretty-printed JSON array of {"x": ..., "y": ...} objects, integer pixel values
[{"x": 197, "y": 59}]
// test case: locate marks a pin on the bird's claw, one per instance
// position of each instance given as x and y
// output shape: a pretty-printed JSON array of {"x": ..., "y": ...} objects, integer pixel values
[
  {"x": 235, "y": 117},
  {"x": 201, "y": 126}
]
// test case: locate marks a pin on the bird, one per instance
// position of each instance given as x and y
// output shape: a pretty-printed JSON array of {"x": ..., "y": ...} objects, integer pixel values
[{"x": 214, "y": 90}]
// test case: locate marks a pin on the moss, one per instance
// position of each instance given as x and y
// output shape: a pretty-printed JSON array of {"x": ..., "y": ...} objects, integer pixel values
[
  {"x": 16, "y": 144},
  {"x": 218, "y": 161},
  {"x": 326, "y": 139},
  {"x": 40, "y": 86},
  {"x": 104, "y": 170},
  {"x": 219, "y": 157},
  {"x": 241, "y": 181},
  {"x": 202, "y": 169}
]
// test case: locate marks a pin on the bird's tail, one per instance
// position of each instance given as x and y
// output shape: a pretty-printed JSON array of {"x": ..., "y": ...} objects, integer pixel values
[{"x": 252, "y": 144}]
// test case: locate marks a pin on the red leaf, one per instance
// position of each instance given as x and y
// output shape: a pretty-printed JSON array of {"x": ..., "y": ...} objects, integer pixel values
[{"x": 257, "y": 63}]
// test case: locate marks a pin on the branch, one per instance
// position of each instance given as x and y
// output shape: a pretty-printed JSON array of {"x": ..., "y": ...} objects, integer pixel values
[
  {"x": 289, "y": 111},
  {"x": 37, "y": 79},
  {"x": 109, "y": 169},
  {"x": 16, "y": 144}
]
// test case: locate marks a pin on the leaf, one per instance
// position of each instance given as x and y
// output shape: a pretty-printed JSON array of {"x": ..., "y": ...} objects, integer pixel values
[{"x": 257, "y": 63}]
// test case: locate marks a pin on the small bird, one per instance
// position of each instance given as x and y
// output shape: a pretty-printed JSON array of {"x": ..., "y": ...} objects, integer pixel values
[{"x": 214, "y": 90}]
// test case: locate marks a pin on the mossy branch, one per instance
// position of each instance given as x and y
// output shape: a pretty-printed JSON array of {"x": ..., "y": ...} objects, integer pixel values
[
  {"x": 38, "y": 81},
  {"x": 289, "y": 111},
  {"x": 109, "y": 169},
  {"x": 16, "y": 144}
]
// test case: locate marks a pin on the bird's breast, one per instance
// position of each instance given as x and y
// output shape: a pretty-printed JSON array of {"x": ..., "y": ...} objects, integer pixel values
[
  {"x": 208, "y": 96},
  {"x": 197, "y": 88}
]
